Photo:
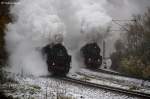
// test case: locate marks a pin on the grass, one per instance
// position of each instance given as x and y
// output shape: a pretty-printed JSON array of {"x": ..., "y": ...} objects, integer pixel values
[
  {"x": 35, "y": 87},
  {"x": 134, "y": 88},
  {"x": 64, "y": 97},
  {"x": 84, "y": 79}
]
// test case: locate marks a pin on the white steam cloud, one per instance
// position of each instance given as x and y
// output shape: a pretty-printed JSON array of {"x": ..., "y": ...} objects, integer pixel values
[{"x": 37, "y": 22}]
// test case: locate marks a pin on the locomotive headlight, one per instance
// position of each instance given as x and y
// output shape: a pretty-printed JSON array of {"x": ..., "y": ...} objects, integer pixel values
[
  {"x": 53, "y": 64},
  {"x": 89, "y": 59}
]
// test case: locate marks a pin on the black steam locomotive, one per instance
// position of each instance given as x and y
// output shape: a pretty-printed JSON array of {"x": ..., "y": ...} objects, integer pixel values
[
  {"x": 91, "y": 55},
  {"x": 58, "y": 60}
]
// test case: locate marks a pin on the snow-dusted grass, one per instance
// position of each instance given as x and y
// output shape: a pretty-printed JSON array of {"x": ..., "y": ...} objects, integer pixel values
[{"x": 50, "y": 88}]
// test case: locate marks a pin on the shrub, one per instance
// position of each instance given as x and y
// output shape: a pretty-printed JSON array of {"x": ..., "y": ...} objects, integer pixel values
[
  {"x": 132, "y": 66},
  {"x": 146, "y": 72}
]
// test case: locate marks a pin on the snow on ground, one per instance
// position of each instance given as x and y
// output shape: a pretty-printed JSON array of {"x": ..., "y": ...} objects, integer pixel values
[
  {"x": 50, "y": 88},
  {"x": 114, "y": 81}
]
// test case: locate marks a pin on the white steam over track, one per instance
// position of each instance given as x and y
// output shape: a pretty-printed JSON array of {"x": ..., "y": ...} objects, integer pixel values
[{"x": 37, "y": 22}]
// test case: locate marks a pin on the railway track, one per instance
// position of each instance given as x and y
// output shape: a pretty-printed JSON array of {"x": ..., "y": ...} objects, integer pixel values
[
  {"x": 114, "y": 89},
  {"x": 119, "y": 74}
]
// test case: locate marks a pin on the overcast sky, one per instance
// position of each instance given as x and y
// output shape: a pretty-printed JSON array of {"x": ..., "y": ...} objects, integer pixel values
[{"x": 122, "y": 9}]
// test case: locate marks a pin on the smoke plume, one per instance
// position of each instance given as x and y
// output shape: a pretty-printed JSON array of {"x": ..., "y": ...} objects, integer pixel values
[{"x": 37, "y": 22}]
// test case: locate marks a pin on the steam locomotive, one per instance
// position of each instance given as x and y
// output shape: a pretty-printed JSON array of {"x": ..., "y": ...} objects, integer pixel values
[
  {"x": 58, "y": 60},
  {"x": 91, "y": 55}
]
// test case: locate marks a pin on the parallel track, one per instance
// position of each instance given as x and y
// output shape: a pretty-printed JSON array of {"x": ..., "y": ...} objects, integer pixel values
[
  {"x": 124, "y": 91},
  {"x": 119, "y": 74}
]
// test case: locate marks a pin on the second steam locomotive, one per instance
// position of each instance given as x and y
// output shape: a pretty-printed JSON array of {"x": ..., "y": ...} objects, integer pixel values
[{"x": 91, "y": 55}]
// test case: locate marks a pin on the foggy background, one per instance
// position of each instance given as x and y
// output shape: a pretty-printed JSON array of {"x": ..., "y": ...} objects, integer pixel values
[{"x": 122, "y": 10}]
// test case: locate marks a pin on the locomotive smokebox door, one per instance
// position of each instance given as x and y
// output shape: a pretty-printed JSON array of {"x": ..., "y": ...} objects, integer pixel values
[
  {"x": 91, "y": 55},
  {"x": 57, "y": 58}
]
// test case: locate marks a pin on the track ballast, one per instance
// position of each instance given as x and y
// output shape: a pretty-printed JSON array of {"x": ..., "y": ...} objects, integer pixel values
[{"x": 124, "y": 91}]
